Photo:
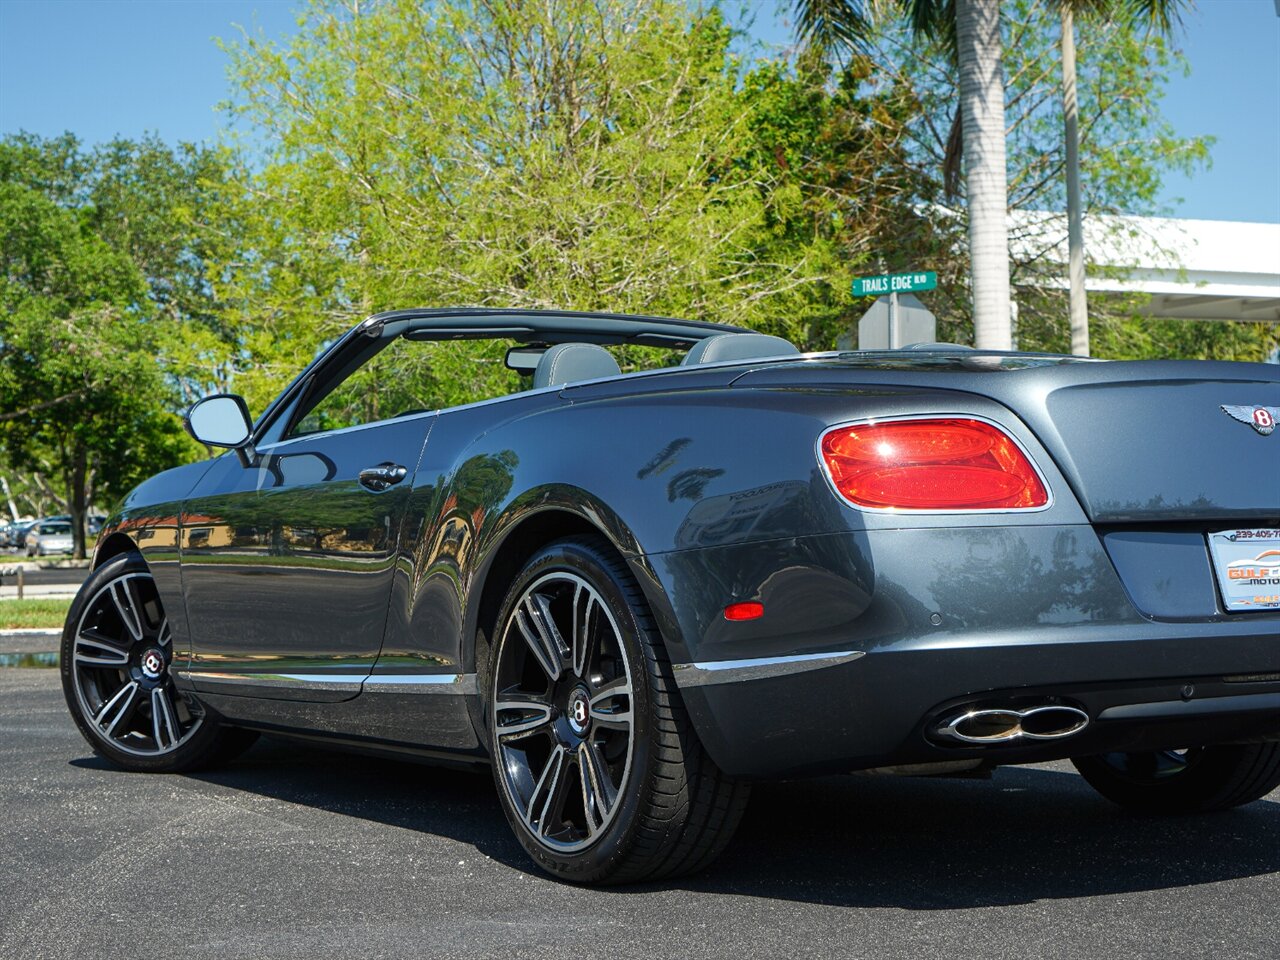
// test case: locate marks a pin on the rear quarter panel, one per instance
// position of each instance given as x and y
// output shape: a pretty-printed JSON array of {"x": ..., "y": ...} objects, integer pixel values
[{"x": 713, "y": 493}]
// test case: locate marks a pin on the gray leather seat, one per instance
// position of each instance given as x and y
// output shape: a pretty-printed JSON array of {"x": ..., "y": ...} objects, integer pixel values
[
  {"x": 738, "y": 346},
  {"x": 573, "y": 363}
]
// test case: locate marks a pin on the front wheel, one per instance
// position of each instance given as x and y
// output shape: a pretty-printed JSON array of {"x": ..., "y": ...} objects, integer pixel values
[
  {"x": 1198, "y": 780},
  {"x": 116, "y": 660},
  {"x": 600, "y": 773}
]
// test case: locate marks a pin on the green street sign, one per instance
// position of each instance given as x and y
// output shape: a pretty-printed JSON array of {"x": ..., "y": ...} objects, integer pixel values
[{"x": 894, "y": 283}]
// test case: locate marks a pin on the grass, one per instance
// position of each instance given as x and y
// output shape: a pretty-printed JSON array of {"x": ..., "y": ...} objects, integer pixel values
[{"x": 32, "y": 614}]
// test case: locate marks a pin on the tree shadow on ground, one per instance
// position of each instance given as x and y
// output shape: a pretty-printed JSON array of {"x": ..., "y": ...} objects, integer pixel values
[{"x": 919, "y": 844}]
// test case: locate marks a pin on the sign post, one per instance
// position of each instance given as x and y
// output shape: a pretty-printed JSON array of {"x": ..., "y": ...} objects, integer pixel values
[{"x": 893, "y": 284}]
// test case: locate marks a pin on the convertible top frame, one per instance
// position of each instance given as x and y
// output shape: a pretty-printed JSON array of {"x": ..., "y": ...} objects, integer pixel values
[{"x": 541, "y": 327}]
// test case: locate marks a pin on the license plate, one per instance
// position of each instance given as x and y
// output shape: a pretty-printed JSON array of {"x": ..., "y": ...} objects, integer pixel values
[{"x": 1247, "y": 564}]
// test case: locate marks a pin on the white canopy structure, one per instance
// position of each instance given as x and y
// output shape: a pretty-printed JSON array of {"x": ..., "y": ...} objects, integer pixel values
[{"x": 1193, "y": 269}]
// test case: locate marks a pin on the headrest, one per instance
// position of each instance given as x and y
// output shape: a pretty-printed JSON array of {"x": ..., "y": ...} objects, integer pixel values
[
  {"x": 573, "y": 363},
  {"x": 738, "y": 346}
]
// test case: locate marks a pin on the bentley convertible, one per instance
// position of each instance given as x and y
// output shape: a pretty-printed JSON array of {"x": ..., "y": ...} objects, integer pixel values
[{"x": 633, "y": 594}]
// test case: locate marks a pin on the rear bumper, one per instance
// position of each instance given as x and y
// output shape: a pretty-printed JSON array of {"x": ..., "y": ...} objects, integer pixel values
[
  {"x": 870, "y": 641},
  {"x": 886, "y": 708}
]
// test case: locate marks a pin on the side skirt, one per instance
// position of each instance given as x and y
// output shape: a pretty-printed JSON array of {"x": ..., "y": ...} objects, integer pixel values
[{"x": 399, "y": 712}]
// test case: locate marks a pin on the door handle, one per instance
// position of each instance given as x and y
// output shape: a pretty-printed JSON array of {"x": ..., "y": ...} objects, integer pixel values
[{"x": 382, "y": 476}]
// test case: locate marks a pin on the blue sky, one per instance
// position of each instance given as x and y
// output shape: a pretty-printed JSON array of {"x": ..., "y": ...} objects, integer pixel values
[{"x": 105, "y": 67}]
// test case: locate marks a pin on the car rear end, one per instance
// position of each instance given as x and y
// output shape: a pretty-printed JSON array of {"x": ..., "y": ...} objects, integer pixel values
[
  {"x": 1103, "y": 575},
  {"x": 54, "y": 538}
]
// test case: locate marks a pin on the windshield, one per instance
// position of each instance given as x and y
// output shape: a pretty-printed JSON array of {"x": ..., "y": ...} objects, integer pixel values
[{"x": 55, "y": 529}]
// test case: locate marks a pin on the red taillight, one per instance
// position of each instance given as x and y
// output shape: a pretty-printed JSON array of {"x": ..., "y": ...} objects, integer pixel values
[
  {"x": 747, "y": 610},
  {"x": 949, "y": 464}
]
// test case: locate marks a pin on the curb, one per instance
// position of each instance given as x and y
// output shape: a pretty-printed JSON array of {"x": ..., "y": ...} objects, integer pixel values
[
  {"x": 32, "y": 632},
  {"x": 33, "y": 566}
]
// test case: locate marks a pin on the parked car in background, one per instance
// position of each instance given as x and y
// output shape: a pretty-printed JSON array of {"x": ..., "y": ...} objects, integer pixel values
[
  {"x": 49, "y": 536},
  {"x": 15, "y": 535}
]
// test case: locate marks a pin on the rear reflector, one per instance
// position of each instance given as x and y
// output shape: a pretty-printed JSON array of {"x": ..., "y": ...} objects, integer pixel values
[
  {"x": 945, "y": 464},
  {"x": 749, "y": 610}
]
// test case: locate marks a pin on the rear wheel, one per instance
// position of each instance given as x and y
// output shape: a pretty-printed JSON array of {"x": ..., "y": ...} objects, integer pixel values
[
  {"x": 1197, "y": 780},
  {"x": 597, "y": 765},
  {"x": 116, "y": 660}
]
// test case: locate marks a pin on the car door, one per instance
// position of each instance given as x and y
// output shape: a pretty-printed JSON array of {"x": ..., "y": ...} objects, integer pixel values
[{"x": 288, "y": 555}]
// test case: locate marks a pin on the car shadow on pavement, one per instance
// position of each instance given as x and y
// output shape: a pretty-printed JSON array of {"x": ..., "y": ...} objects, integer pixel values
[{"x": 1027, "y": 834}]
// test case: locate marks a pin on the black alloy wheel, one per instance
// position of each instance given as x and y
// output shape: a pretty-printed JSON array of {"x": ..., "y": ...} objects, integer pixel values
[
  {"x": 1195, "y": 780},
  {"x": 562, "y": 711},
  {"x": 599, "y": 771},
  {"x": 116, "y": 660}
]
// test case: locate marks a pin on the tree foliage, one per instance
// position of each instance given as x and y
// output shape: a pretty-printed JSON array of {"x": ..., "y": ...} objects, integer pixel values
[{"x": 99, "y": 297}]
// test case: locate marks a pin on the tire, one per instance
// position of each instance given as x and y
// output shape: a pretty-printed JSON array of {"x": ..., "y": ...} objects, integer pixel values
[
  {"x": 597, "y": 765},
  {"x": 1199, "y": 780},
  {"x": 115, "y": 663}
]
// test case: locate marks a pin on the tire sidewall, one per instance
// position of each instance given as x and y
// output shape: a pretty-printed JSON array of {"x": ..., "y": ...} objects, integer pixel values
[{"x": 588, "y": 561}]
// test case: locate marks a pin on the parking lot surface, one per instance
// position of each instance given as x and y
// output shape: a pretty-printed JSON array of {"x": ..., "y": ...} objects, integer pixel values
[{"x": 296, "y": 851}]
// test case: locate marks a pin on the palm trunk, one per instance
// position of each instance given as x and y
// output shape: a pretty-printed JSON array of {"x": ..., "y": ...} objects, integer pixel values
[
  {"x": 1075, "y": 216},
  {"x": 986, "y": 185}
]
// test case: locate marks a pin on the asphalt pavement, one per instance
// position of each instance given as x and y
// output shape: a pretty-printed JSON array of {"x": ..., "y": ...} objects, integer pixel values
[{"x": 296, "y": 851}]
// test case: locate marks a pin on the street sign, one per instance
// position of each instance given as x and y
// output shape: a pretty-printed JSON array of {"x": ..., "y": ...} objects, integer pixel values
[{"x": 885, "y": 283}]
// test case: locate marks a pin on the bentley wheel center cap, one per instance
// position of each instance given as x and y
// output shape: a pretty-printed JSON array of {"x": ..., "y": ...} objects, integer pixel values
[
  {"x": 152, "y": 664},
  {"x": 579, "y": 712}
]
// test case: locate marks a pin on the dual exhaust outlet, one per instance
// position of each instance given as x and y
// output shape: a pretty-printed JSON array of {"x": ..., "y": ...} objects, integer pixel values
[{"x": 1008, "y": 725}]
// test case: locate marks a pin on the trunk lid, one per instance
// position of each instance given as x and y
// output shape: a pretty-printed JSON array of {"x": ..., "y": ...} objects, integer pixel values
[{"x": 1138, "y": 441}]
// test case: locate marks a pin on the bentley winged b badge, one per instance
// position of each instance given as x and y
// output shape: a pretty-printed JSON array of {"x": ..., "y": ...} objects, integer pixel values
[{"x": 1262, "y": 419}]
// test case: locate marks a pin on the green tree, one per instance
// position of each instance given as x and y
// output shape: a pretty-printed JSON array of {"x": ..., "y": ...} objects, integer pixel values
[
  {"x": 84, "y": 399},
  {"x": 1157, "y": 14},
  {"x": 970, "y": 29},
  {"x": 597, "y": 154}
]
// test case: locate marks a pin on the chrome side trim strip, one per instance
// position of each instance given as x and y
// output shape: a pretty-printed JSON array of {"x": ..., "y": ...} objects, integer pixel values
[
  {"x": 413, "y": 683},
  {"x": 332, "y": 682},
  {"x": 736, "y": 671},
  {"x": 464, "y": 683}
]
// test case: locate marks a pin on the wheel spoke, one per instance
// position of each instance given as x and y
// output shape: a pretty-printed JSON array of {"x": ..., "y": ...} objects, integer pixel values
[
  {"x": 127, "y": 606},
  {"x": 540, "y": 632},
  {"x": 164, "y": 723},
  {"x": 99, "y": 650},
  {"x": 117, "y": 708},
  {"x": 164, "y": 636},
  {"x": 584, "y": 600},
  {"x": 548, "y": 793},
  {"x": 521, "y": 717},
  {"x": 598, "y": 793},
  {"x": 606, "y": 709}
]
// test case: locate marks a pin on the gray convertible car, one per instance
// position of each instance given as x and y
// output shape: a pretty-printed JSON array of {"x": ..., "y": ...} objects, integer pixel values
[{"x": 633, "y": 594}]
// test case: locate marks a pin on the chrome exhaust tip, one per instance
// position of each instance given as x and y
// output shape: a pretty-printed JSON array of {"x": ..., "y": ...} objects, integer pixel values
[{"x": 1006, "y": 725}]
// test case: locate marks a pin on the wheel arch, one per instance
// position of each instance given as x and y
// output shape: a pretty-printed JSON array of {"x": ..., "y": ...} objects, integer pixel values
[
  {"x": 114, "y": 545},
  {"x": 524, "y": 533}
]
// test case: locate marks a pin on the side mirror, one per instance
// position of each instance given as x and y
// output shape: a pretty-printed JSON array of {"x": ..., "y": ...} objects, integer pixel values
[{"x": 221, "y": 420}]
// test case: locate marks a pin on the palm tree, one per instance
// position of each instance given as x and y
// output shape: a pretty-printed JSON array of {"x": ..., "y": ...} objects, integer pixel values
[
  {"x": 1161, "y": 15},
  {"x": 971, "y": 30}
]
